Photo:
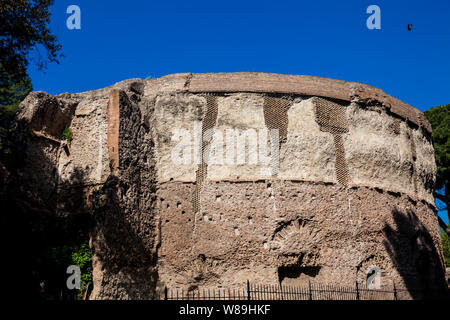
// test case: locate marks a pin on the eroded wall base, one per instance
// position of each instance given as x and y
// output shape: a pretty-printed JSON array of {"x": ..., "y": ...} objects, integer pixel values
[{"x": 292, "y": 232}]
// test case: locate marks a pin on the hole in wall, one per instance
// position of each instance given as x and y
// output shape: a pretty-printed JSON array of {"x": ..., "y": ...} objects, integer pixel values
[
  {"x": 297, "y": 275},
  {"x": 395, "y": 194},
  {"x": 379, "y": 190}
]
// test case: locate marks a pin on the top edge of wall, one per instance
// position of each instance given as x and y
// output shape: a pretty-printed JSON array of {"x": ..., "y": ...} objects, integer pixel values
[
  {"x": 261, "y": 82},
  {"x": 307, "y": 85}
]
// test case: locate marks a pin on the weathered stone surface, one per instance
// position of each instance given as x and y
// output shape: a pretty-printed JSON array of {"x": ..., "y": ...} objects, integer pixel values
[
  {"x": 353, "y": 187},
  {"x": 447, "y": 276}
]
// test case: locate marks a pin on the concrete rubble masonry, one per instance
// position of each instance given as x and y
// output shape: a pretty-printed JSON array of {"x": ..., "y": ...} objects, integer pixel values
[{"x": 352, "y": 187}]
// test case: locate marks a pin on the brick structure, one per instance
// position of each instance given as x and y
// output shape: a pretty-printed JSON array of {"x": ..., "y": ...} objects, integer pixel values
[{"x": 351, "y": 187}]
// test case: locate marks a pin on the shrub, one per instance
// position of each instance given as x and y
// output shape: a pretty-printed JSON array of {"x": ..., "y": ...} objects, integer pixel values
[{"x": 67, "y": 134}]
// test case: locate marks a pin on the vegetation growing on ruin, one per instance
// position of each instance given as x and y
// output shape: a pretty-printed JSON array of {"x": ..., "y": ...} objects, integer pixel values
[
  {"x": 67, "y": 134},
  {"x": 73, "y": 254},
  {"x": 83, "y": 258}
]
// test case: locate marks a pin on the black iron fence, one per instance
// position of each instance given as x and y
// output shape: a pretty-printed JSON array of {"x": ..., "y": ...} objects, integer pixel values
[{"x": 311, "y": 291}]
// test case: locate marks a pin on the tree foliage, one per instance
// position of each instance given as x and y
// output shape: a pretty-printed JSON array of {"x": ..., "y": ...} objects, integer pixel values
[
  {"x": 23, "y": 28},
  {"x": 12, "y": 94},
  {"x": 439, "y": 118},
  {"x": 83, "y": 258},
  {"x": 65, "y": 255}
]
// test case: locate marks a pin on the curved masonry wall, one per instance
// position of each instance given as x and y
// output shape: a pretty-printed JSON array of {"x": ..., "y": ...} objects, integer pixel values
[{"x": 352, "y": 188}]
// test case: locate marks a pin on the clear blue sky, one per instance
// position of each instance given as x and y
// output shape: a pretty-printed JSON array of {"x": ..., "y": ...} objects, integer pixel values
[{"x": 134, "y": 39}]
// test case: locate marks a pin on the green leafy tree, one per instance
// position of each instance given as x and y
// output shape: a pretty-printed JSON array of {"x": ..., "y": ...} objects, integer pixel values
[
  {"x": 83, "y": 258},
  {"x": 12, "y": 93},
  {"x": 25, "y": 28},
  {"x": 71, "y": 254},
  {"x": 439, "y": 118},
  {"x": 25, "y": 37}
]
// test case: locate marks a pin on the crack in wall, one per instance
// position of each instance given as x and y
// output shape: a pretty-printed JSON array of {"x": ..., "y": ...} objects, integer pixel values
[
  {"x": 99, "y": 169},
  {"x": 414, "y": 158},
  {"x": 113, "y": 120}
]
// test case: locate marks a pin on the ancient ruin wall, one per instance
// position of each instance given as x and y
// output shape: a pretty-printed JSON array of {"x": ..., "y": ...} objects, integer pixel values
[{"x": 353, "y": 187}]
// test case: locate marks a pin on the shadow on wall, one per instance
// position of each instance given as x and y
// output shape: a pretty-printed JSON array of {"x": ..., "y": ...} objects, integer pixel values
[
  {"x": 127, "y": 261},
  {"x": 125, "y": 235},
  {"x": 32, "y": 227},
  {"x": 414, "y": 255},
  {"x": 38, "y": 206},
  {"x": 35, "y": 236},
  {"x": 297, "y": 275}
]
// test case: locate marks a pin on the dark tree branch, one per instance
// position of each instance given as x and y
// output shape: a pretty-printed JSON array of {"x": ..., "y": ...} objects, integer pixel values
[
  {"x": 441, "y": 197},
  {"x": 445, "y": 199}
]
